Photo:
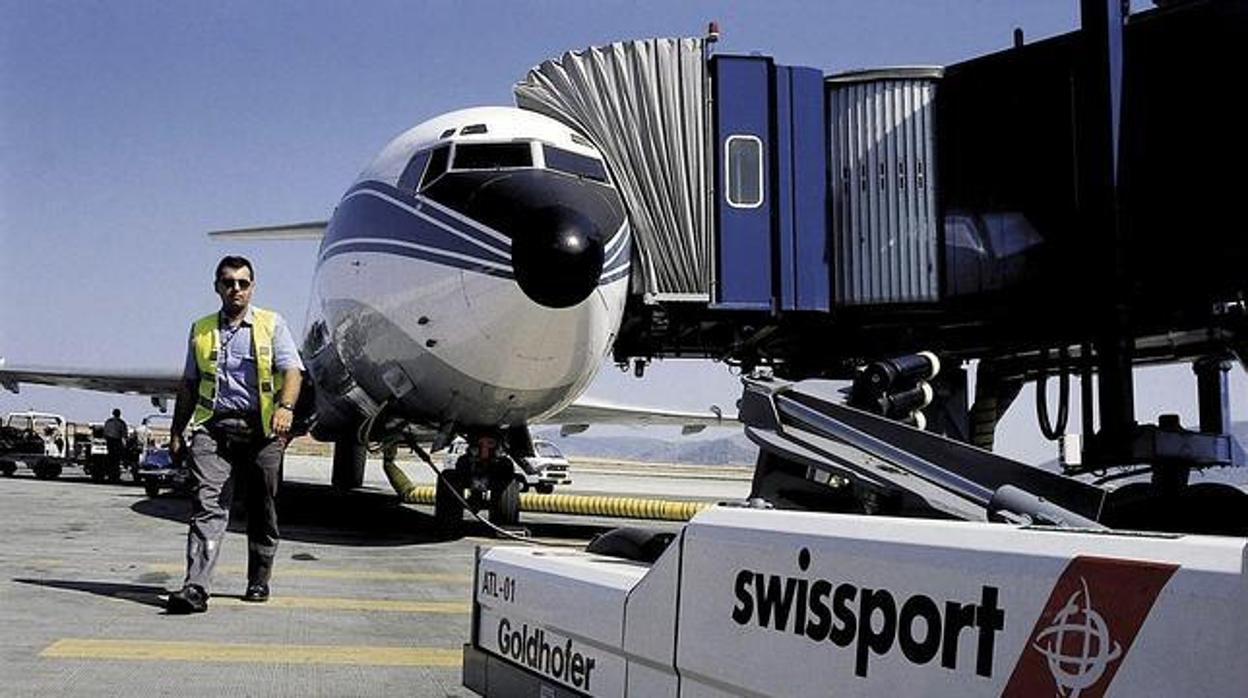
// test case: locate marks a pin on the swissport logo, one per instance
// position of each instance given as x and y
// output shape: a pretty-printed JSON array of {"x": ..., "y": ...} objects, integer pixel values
[{"x": 1087, "y": 627}]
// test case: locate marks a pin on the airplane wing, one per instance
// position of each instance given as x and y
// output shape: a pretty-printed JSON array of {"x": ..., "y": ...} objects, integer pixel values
[
  {"x": 574, "y": 418},
  {"x": 135, "y": 382},
  {"x": 579, "y": 415},
  {"x": 312, "y": 230}
]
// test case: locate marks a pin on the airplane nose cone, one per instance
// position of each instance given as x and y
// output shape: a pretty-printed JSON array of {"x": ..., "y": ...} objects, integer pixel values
[{"x": 558, "y": 258}]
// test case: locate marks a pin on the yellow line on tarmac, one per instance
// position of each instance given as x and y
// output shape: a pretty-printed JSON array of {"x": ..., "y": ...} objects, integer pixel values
[
  {"x": 154, "y": 650},
  {"x": 289, "y": 572},
  {"x": 324, "y": 603}
]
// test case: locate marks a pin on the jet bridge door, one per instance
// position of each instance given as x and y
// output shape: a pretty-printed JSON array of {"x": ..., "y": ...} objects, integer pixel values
[
  {"x": 770, "y": 150},
  {"x": 743, "y": 209},
  {"x": 801, "y": 221}
]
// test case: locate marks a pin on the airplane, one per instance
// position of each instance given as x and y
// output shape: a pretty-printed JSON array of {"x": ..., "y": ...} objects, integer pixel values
[{"x": 469, "y": 283}]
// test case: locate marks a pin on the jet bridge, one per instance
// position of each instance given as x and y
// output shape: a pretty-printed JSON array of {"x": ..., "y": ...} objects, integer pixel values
[
  {"x": 1059, "y": 208},
  {"x": 802, "y": 219}
]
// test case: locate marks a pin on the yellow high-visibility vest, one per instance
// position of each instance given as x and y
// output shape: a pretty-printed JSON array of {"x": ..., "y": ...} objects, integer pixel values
[{"x": 206, "y": 341}]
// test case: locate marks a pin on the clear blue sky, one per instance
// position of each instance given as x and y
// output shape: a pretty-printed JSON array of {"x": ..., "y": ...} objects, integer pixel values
[{"x": 128, "y": 129}]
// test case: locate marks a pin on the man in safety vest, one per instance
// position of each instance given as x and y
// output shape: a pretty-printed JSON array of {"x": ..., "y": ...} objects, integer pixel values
[{"x": 238, "y": 395}]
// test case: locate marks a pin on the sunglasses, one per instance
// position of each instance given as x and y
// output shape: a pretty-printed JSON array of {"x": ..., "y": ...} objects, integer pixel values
[{"x": 240, "y": 284}]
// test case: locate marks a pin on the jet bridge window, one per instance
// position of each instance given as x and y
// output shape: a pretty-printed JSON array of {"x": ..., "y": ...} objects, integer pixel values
[
  {"x": 492, "y": 156},
  {"x": 743, "y": 171},
  {"x": 574, "y": 163}
]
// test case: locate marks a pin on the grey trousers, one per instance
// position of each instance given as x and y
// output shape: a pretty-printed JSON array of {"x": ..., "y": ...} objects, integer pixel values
[{"x": 216, "y": 464}]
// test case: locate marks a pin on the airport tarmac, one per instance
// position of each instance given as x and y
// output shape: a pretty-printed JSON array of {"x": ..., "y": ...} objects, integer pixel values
[{"x": 368, "y": 599}]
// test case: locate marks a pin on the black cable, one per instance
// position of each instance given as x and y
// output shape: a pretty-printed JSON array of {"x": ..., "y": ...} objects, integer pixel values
[{"x": 1058, "y": 430}]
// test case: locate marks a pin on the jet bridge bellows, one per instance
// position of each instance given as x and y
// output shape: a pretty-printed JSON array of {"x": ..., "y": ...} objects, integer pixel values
[{"x": 643, "y": 104}]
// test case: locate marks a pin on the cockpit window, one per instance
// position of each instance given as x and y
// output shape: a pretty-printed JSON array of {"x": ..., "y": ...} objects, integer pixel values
[
  {"x": 436, "y": 167},
  {"x": 412, "y": 173},
  {"x": 574, "y": 163},
  {"x": 490, "y": 156}
]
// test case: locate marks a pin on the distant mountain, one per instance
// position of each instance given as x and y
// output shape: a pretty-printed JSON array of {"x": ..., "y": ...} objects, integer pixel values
[
  {"x": 736, "y": 449},
  {"x": 727, "y": 450}
]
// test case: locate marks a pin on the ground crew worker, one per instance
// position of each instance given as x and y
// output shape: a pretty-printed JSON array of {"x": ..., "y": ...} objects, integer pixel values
[
  {"x": 115, "y": 432},
  {"x": 240, "y": 384}
]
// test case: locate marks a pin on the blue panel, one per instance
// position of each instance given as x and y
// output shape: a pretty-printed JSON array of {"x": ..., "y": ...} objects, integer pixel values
[
  {"x": 810, "y": 191},
  {"x": 743, "y": 234},
  {"x": 786, "y": 239}
]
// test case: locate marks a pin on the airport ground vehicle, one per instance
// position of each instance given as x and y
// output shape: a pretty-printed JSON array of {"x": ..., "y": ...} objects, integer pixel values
[
  {"x": 39, "y": 441},
  {"x": 740, "y": 598},
  {"x": 47, "y": 444},
  {"x": 915, "y": 565},
  {"x": 546, "y": 469},
  {"x": 90, "y": 450},
  {"x": 18, "y": 444},
  {"x": 156, "y": 469},
  {"x": 157, "y": 472}
]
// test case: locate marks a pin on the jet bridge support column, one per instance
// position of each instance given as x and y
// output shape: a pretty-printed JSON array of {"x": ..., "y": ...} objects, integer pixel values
[
  {"x": 1212, "y": 394},
  {"x": 1099, "y": 112}
]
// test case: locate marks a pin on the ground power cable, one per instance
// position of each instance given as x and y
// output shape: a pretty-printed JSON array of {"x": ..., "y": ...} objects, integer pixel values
[{"x": 622, "y": 507}]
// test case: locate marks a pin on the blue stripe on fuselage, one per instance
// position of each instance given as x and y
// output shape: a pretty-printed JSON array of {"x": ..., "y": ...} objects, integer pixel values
[
  {"x": 376, "y": 218},
  {"x": 490, "y": 244},
  {"x": 614, "y": 276},
  {"x": 421, "y": 254}
]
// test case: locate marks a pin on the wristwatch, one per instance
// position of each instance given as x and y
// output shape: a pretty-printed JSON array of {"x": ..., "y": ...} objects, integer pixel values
[{"x": 287, "y": 405}]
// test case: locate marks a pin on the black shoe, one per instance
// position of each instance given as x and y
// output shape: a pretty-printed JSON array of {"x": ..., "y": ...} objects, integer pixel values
[
  {"x": 190, "y": 599},
  {"x": 256, "y": 593}
]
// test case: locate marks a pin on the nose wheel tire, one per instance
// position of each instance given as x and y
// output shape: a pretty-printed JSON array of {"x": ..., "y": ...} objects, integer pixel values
[{"x": 505, "y": 504}]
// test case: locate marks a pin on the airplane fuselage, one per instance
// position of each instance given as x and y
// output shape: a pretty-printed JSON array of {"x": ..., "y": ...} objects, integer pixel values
[{"x": 475, "y": 273}]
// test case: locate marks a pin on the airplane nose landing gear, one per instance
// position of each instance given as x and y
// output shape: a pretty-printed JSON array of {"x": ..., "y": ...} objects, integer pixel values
[
  {"x": 485, "y": 478},
  {"x": 558, "y": 259}
]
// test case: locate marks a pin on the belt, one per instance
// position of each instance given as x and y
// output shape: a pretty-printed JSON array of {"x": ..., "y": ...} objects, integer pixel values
[
  {"x": 234, "y": 414},
  {"x": 235, "y": 425}
]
